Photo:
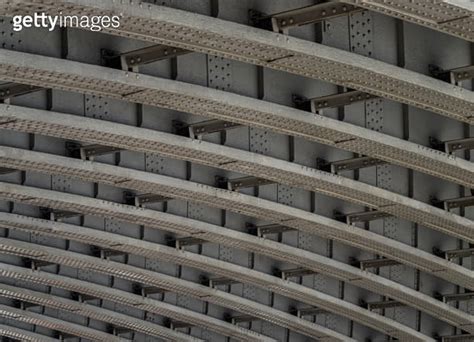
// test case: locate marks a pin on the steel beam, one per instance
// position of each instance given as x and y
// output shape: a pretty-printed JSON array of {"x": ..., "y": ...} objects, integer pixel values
[
  {"x": 142, "y": 140},
  {"x": 224, "y": 199},
  {"x": 55, "y": 324},
  {"x": 152, "y": 278},
  {"x": 23, "y": 335},
  {"x": 116, "y": 319},
  {"x": 190, "y": 31},
  {"x": 454, "y": 17},
  {"x": 312, "y": 261}
]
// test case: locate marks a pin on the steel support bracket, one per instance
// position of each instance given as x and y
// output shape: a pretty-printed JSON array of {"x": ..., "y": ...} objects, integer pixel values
[
  {"x": 187, "y": 241},
  {"x": 384, "y": 304},
  {"x": 36, "y": 264},
  {"x": 131, "y": 60},
  {"x": 57, "y": 214},
  {"x": 242, "y": 319},
  {"x": 173, "y": 325},
  {"x": 348, "y": 164},
  {"x": 313, "y": 311},
  {"x": 452, "y": 203},
  {"x": 213, "y": 282},
  {"x": 330, "y": 101},
  {"x": 457, "y": 338},
  {"x": 450, "y": 146},
  {"x": 283, "y": 21},
  {"x": 268, "y": 229},
  {"x": 140, "y": 200},
  {"x": 9, "y": 90},
  {"x": 374, "y": 263},
  {"x": 148, "y": 290},
  {"x": 247, "y": 182},
  {"x": 453, "y": 76},
  {"x": 455, "y": 297},
  {"x": 82, "y": 298},
  {"x": 26, "y": 305},
  {"x": 364, "y": 216},
  {"x": 89, "y": 152},
  {"x": 293, "y": 273},
  {"x": 199, "y": 129},
  {"x": 118, "y": 331},
  {"x": 454, "y": 253},
  {"x": 6, "y": 170}
]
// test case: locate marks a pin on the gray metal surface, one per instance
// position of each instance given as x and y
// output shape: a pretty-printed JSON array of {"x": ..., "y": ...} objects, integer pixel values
[
  {"x": 166, "y": 283},
  {"x": 308, "y": 260},
  {"x": 143, "y": 140},
  {"x": 284, "y": 147},
  {"x": 23, "y": 335},
  {"x": 195, "y": 32},
  {"x": 56, "y": 324},
  {"x": 239, "y": 273},
  {"x": 89, "y": 79},
  {"x": 244, "y": 204},
  {"x": 119, "y": 320}
]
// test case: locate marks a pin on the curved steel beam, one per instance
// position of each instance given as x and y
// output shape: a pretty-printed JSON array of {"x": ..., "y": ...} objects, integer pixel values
[
  {"x": 24, "y": 335},
  {"x": 195, "y": 32},
  {"x": 232, "y": 271},
  {"x": 224, "y": 199},
  {"x": 454, "y": 17},
  {"x": 169, "y": 283},
  {"x": 153, "y": 219},
  {"x": 100, "y": 314},
  {"x": 144, "y": 140},
  {"x": 90, "y": 79},
  {"x": 115, "y": 318},
  {"x": 57, "y": 324}
]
